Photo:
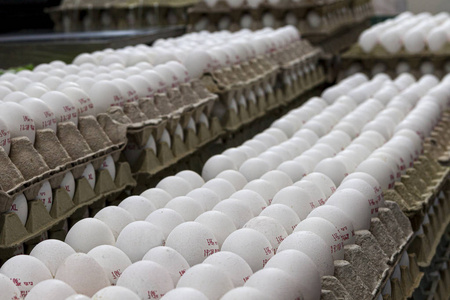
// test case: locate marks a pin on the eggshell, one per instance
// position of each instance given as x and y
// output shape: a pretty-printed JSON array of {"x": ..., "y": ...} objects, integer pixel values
[
  {"x": 256, "y": 145},
  {"x": 233, "y": 265},
  {"x": 251, "y": 198},
  {"x": 270, "y": 227},
  {"x": 208, "y": 279},
  {"x": 175, "y": 186},
  {"x": 195, "y": 180},
  {"x": 314, "y": 247},
  {"x": 20, "y": 207},
  {"x": 273, "y": 159},
  {"x": 139, "y": 207},
  {"x": 61, "y": 106},
  {"x": 52, "y": 253},
  {"x": 327, "y": 231},
  {"x": 116, "y": 218},
  {"x": 207, "y": 198},
  {"x": 105, "y": 94},
  {"x": 354, "y": 204},
  {"x": 186, "y": 206},
  {"x": 317, "y": 197},
  {"x": 45, "y": 195},
  {"x": 89, "y": 174},
  {"x": 267, "y": 139},
  {"x": 219, "y": 223},
  {"x": 41, "y": 113},
  {"x": 19, "y": 121},
  {"x": 372, "y": 182},
  {"x": 234, "y": 177},
  {"x": 332, "y": 168},
  {"x": 379, "y": 170},
  {"x": 236, "y": 155},
  {"x": 303, "y": 270},
  {"x": 165, "y": 219},
  {"x": 170, "y": 259},
  {"x": 51, "y": 289},
  {"x": 221, "y": 187},
  {"x": 113, "y": 260},
  {"x": 137, "y": 238},
  {"x": 115, "y": 293},
  {"x": 78, "y": 297},
  {"x": 157, "y": 196},
  {"x": 68, "y": 184},
  {"x": 9, "y": 289},
  {"x": 276, "y": 283},
  {"x": 263, "y": 187},
  {"x": 194, "y": 241},
  {"x": 185, "y": 293},
  {"x": 245, "y": 293},
  {"x": 324, "y": 182},
  {"x": 254, "y": 168},
  {"x": 278, "y": 178},
  {"x": 295, "y": 198},
  {"x": 89, "y": 233},
  {"x": 147, "y": 279},
  {"x": 251, "y": 245}
]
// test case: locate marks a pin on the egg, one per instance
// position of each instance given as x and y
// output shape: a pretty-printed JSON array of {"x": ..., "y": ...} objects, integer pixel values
[
  {"x": 302, "y": 269},
  {"x": 208, "y": 279},
  {"x": 237, "y": 156},
  {"x": 52, "y": 253},
  {"x": 8, "y": 288},
  {"x": 25, "y": 271},
  {"x": 354, "y": 204},
  {"x": 45, "y": 195},
  {"x": 115, "y": 293},
  {"x": 233, "y": 265},
  {"x": 139, "y": 207},
  {"x": 185, "y": 293},
  {"x": 314, "y": 247},
  {"x": 254, "y": 168},
  {"x": 165, "y": 219},
  {"x": 186, "y": 206},
  {"x": 157, "y": 196},
  {"x": 116, "y": 218},
  {"x": 275, "y": 282},
  {"x": 89, "y": 174},
  {"x": 251, "y": 245},
  {"x": 267, "y": 139},
  {"x": 68, "y": 184},
  {"x": 194, "y": 241},
  {"x": 215, "y": 165},
  {"x": 263, "y": 187},
  {"x": 195, "y": 180},
  {"x": 105, "y": 94},
  {"x": 234, "y": 177},
  {"x": 89, "y": 233},
  {"x": 170, "y": 259},
  {"x": 137, "y": 238},
  {"x": 379, "y": 170},
  {"x": 270, "y": 227},
  {"x": 175, "y": 186},
  {"x": 271, "y": 158},
  {"x": 247, "y": 293},
  {"x": 20, "y": 208},
  {"x": 327, "y": 231},
  {"x": 278, "y": 178},
  {"x": 256, "y": 145},
  {"x": 51, "y": 289},
  {"x": 19, "y": 121},
  {"x": 252, "y": 199},
  {"x": 113, "y": 260},
  {"x": 221, "y": 187},
  {"x": 147, "y": 279}
]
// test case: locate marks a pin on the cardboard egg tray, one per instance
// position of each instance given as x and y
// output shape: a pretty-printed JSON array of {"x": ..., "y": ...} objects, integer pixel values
[
  {"x": 49, "y": 159},
  {"x": 355, "y": 57},
  {"x": 91, "y": 15},
  {"x": 335, "y": 14}
]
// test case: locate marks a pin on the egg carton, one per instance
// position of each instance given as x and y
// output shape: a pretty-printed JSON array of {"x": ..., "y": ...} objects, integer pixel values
[
  {"x": 102, "y": 15},
  {"x": 13, "y": 233},
  {"x": 28, "y": 166},
  {"x": 369, "y": 264},
  {"x": 335, "y": 15}
]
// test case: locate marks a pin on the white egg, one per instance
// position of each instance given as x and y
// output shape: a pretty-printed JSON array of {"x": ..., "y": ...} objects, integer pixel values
[
  {"x": 147, "y": 279},
  {"x": 221, "y": 187},
  {"x": 19, "y": 121},
  {"x": 302, "y": 268},
  {"x": 45, "y": 195},
  {"x": 113, "y": 260},
  {"x": 195, "y": 180},
  {"x": 115, "y": 293},
  {"x": 270, "y": 227},
  {"x": 157, "y": 196},
  {"x": 89, "y": 233},
  {"x": 105, "y": 94},
  {"x": 62, "y": 107},
  {"x": 194, "y": 241},
  {"x": 20, "y": 207},
  {"x": 25, "y": 272},
  {"x": 234, "y": 177},
  {"x": 175, "y": 186},
  {"x": 186, "y": 206},
  {"x": 8, "y": 288},
  {"x": 80, "y": 100},
  {"x": 275, "y": 282},
  {"x": 263, "y": 187},
  {"x": 333, "y": 168},
  {"x": 254, "y": 168},
  {"x": 295, "y": 198},
  {"x": 215, "y": 165},
  {"x": 116, "y": 218},
  {"x": 278, "y": 178},
  {"x": 52, "y": 253},
  {"x": 207, "y": 198},
  {"x": 51, "y": 289},
  {"x": 247, "y": 293},
  {"x": 185, "y": 293}
]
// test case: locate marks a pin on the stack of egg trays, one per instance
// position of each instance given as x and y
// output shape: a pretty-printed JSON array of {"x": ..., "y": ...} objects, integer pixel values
[
  {"x": 308, "y": 72},
  {"x": 144, "y": 120},
  {"x": 50, "y": 158},
  {"x": 379, "y": 56},
  {"x": 91, "y": 15},
  {"x": 338, "y": 13}
]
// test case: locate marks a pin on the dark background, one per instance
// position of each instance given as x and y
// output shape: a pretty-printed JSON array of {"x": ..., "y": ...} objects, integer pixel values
[{"x": 25, "y": 15}]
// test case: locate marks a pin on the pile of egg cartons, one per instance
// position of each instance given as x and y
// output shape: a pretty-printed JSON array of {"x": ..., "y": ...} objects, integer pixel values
[
  {"x": 91, "y": 15},
  {"x": 271, "y": 219},
  {"x": 312, "y": 17},
  {"x": 406, "y": 43}
]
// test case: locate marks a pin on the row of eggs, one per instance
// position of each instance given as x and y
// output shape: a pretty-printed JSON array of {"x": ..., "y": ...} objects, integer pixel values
[
  {"x": 411, "y": 32},
  {"x": 250, "y": 212}
]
